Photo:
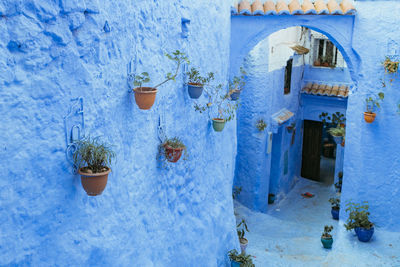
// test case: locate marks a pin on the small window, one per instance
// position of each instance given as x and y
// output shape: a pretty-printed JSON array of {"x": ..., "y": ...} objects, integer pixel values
[
  {"x": 326, "y": 53},
  {"x": 288, "y": 76}
]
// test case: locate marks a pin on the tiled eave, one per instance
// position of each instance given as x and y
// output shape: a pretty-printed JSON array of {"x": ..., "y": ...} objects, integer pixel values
[
  {"x": 317, "y": 89},
  {"x": 280, "y": 7}
]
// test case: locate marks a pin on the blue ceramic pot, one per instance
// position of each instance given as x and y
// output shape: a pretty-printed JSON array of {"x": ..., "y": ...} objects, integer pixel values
[
  {"x": 327, "y": 243},
  {"x": 338, "y": 139},
  {"x": 235, "y": 95},
  {"x": 235, "y": 263},
  {"x": 364, "y": 235},
  {"x": 335, "y": 214},
  {"x": 195, "y": 91}
]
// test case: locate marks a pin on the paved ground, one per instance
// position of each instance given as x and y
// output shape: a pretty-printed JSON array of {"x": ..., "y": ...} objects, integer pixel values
[{"x": 289, "y": 235}]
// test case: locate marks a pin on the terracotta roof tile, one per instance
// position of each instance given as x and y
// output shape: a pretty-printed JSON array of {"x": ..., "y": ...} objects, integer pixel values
[
  {"x": 326, "y": 90},
  {"x": 269, "y": 8},
  {"x": 295, "y": 7},
  {"x": 257, "y": 8},
  {"x": 244, "y": 8},
  {"x": 308, "y": 7},
  {"x": 280, "y": 7}
]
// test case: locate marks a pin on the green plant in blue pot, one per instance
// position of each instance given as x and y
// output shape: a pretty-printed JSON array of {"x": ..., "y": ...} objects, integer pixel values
[
  {"x": 237, "y": 85},
  {"x": 240, "y": 260},
  {"x": 196, "y": 82},
  {"x": 326, "y": 237},
  {"x": 359, "y": 220}
]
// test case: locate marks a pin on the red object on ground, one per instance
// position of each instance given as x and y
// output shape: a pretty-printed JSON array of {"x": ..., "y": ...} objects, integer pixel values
[{"x": 307, "y": 195}]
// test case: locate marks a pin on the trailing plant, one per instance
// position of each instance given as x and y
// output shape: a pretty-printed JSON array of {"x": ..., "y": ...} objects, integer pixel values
[
  {"x": 236, "y": 191},
  {"x": 244, "y": 259},
  {"x": 335, "y": 202},
  {"x": 390, "y": 66},
  {"x": 358, "y": 216},
  {"x": 196, "y": 79},
  {"x": 326, "y": 234},
  {"x": 261, "y": 125},
  {"x": 177, "y": 56},
  {"x": 219, "y": 103},
  {"x": 337, "y": 118},
  {"x": 339, "y": 131},
  {"x": 92, "y": 155},
  {"x": 238, "y": 82},
  {"x": 373, "y": 102},
  {"x": 242, "y": 229}
]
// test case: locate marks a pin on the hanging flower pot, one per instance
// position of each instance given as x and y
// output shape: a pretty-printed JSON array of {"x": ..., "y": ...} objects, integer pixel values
[
  {"x": 195, "y": 90},
  {"x": 218, "y": 124},
  {"x": 235, "y": 95},
  {"x": 338, "y": 139},
  {"x": 95, "y": 158},
  {"x": 145, "y": 97},
  {"x": 94, "y": 183},
  {"x": 369, "y": 117},
  {"x": 173, "y": 149}
]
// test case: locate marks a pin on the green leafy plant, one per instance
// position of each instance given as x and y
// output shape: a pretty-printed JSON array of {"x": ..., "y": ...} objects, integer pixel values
[
  {"x": 244, "y": 259},
  {"x": 335, "y": 202},
  {"x": 326, "y": 234},
  {"x": 92, "y": 155},
  {"x": 336, "y": 119},
  {"x": 195, "y": 78},
  {"x": 261, "y": 125},
  {"x": 242, "y": 229},
  {"x": 358, "y": 216},
  {"x": 238, "y": 82},
  {"x": 390, "y": 66},
  {"x": 338, "y": 131},
  {"x": 219, "y": 103},
  {"x": 236, "y": 191},
  {"x": 177, "y": 56},
  {"x": 174, "y": 143},
  {"x": 373, "y": 102}
]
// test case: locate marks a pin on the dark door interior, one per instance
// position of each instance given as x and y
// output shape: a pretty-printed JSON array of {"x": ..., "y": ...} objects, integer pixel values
[{"x": 312, "y": 145}]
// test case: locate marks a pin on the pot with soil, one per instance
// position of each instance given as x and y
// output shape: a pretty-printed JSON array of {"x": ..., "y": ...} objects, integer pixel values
[
  {"x": 235, "y": 94},
  {"x": 359, "y": 220},
  {"x": 364, "y": 234},
  {"x": 173, "y": 149},
  {"x": 369, "y": 117},
  {"x": 218, "y": 124},
  {"x": 196, "y": 82},
  {"x": 241, "y": 230},
  {"x": 338, "y": 134},
  {"x": 326, "y": 237},
  {"x": 335, "y": 202},
  {"x": 145, "y": 97},
  {"x": 92, "y": 159},
  {"x": 372, "y": 102}
]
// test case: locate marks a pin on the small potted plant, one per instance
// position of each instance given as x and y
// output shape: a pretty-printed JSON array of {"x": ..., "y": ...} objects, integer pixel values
[
  {"x": 271, "y": 198},
  {"x": 173, "y": 149},
  {"x": 371, "y": 104},
  {"x": 145, "y": 96},
  {"x": 241, "y": 230},
  {"x": 359, "y": 220},
  {"x": 224, "y": 110},
  {"x": 196, "y": 82},
  {"x": 240, "y": 260},
  {"x": 291, "y": 127},
  {"x": 338, "y": 134},
  {"x": 261, "y": 125},
  {"x": 93, "y": 160},
  {"x": 390, "y": 66},
  {"x": 237, "y": 85},
  {"x": 335, "y": 202},
  {"x": 338, "y": 185},
  {"x": 326, "y": 237}
]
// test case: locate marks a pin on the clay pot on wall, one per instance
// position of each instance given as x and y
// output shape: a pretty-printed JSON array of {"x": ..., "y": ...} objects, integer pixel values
[
  {"x": 218, "y": 124},
  {"x": 243, "y": 244},
  {"x": 369, "y": 117},
  {"x": 94, "y": 183},
  {"x": 195, "y": 90},
  {"x": 145, "y": 97},
  {"x": 173, "y": 154},
  {"x": 327, "y": 242}
]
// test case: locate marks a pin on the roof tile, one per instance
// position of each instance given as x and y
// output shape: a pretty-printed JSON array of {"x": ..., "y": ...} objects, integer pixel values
[
  {"x": 334, "y": 8},
  {"x": 244, "y": 8},
  {"x": 321, "y": 7},
  {"x": 347, "y": 7},
  {"x": 295, "y": 8},
  {"x": 308, "y": 7},
  {"x": 269, "y": 8},
  {"x": 257, "y": 8},
  {"x": 326, "y": 90},
  {"x": 282, "y": 8}
]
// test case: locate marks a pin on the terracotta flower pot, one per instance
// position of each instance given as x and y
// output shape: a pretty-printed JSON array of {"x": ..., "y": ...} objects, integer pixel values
[
  {"x": 369, "y": 117},
  {"x": 218, "y": 124},
  {"x": 243, "y": 244},
  {"x": 317, "y": 63},
  {"x": 145, "y": 97},
  {"x": 173, "y": 154},
  {"x": 94, "y": 183}
]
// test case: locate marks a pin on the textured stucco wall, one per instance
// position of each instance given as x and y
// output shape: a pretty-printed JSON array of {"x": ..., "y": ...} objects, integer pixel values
[
  {"x": 52, "y": 51},
  {"x": 372, "y": 159}
]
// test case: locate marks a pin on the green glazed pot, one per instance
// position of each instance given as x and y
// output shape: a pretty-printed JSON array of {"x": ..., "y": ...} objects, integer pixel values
[
  {"x": 327, "y": 243},
  {"x": 218, "y": 124}
]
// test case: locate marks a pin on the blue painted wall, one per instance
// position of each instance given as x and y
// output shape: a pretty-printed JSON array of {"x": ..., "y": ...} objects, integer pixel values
[{"x": 52, "y": 51}]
